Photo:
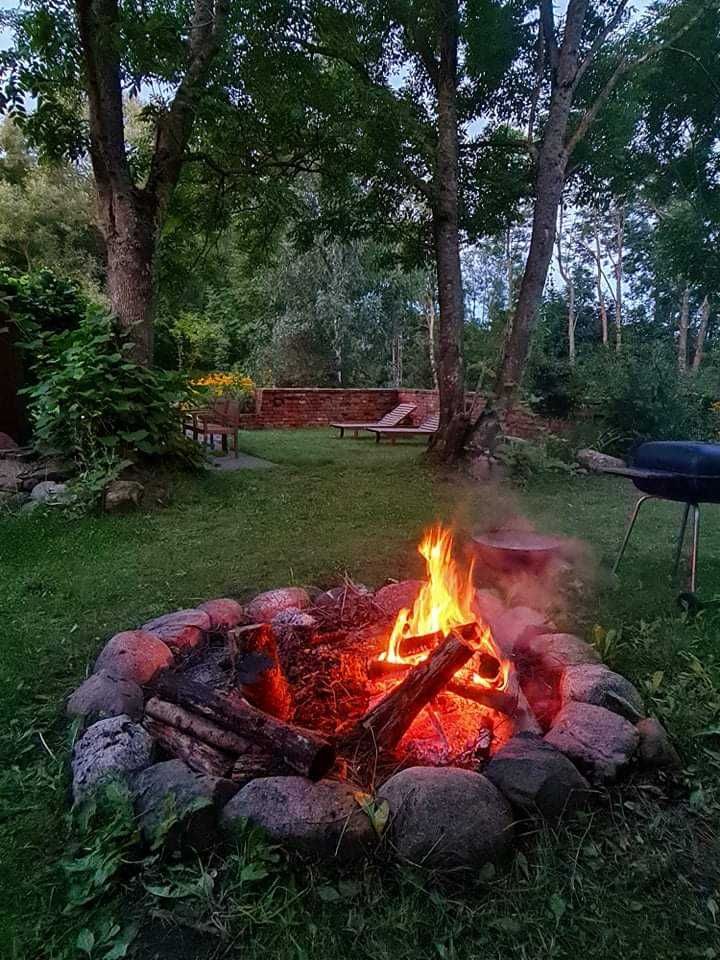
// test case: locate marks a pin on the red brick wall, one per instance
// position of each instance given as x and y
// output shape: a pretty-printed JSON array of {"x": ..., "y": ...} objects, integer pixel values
[{"x": 283, "y": 407}]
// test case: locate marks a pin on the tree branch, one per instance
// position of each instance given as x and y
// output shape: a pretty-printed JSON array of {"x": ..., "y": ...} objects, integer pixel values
[
  {"x": 173, "y": 130},
  {"x": 599, "y": 41},
  {"x": 625, "y": 66},
  {"x": 547, "y": 21}
]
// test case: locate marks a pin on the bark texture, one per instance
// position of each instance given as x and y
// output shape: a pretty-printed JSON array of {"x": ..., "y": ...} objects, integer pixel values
[
  {"x": 683, "y": 324},
  {"x": 701, "y": 334},
  {"x": 132, "y": 216}
]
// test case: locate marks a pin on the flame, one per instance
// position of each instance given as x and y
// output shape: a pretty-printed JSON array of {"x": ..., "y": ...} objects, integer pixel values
[{"x": 445, "y": 601}]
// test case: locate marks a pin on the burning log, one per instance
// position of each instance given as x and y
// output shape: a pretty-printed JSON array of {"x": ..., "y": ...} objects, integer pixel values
[
  {"x": 511, "y": 702},
  {"x": 384, "y": 724},
  {"x": 411, "y": 646},
  {"x": 260, "y": 677},
  {"x": 303, "y": 750},
  {"x": 199, "y": 756}
]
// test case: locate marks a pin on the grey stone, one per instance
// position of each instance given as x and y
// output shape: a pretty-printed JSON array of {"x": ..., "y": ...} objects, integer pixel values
[
  {"x": 171, "y": 791},
  {"x": 122, "y": 495},
  {"x": 52, "y": 468},
  {"x": 594, "y": 683},
  {"x": 446, "y": 818},
  {"x": 115, "y": 748},
  {"x": 7, "y": 442},
  {"x": 323, "y": 819},
  {"x": 397, "y": 596},
  {"x": 600, "y": 743},
  {"x": 536, "y": 778},
  {"x": 181, "y": 630},
  {"x": 655, "y": 749},
  {"x": 556, "y": 651},
  {"x": 513, "y": 628},
  {"x": 488, "y": 606},
  {"x": 265, "y": 606},
  {"x": 49, "y": 490},
  {"x": 134, "y": 655},
  {"x": 103, "y": 695},
  {"x": 224, "y": 613},
  {"x": 597, "y": 462}
]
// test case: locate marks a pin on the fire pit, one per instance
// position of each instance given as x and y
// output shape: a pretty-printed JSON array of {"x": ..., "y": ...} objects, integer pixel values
[{"x": 427, "y": 716}]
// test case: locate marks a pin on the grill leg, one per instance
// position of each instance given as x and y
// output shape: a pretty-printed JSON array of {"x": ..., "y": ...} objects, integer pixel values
[
  {"x": 681, "y": 540},
  {"x": 696, "y": 538},
  {"x": 629, "y": 530}
]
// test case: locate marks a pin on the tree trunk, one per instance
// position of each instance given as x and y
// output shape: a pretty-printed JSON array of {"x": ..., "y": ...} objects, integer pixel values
[
  {"x": 446, "y": 444},
  {"x": 702, "y": 333},
  {"x": 599, "y": 288},
  {"x": 570, "y": 286},
  {"x": 130, "y": 235},
  {"x": 683, "y": 324},
  {"x": 619, "y": 241},
  {"x": 430, "y": 317}
]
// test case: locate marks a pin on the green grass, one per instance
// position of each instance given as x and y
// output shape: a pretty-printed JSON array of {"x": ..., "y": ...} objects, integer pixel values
[{"x": 638, "y": 877}]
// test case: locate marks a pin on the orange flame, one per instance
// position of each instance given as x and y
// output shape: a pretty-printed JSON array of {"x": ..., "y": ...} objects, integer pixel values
[{"x": 445, "y": 601}]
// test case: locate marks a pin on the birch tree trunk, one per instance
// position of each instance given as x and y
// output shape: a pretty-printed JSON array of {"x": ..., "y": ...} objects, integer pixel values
[
  {"x": 702, "y": 333},
  {"x": 683, "y": 324},
  {"x": 619, "y": 252},
  {"x": 599, "y": 287},
  {"x": 570, "y": 287}
]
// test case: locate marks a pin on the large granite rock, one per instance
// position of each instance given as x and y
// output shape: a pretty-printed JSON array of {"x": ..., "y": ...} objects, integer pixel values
[
  {"x": 134, "y": 655},
  {"x": 516, "y": 626},
  {"x": 655, "y": 749},
  {"x": 110, "y": 749},
  {"x": 600, "y": 743},
  {"x": 266, "y": 606},
  {"x": 488, "y": 606},
  {"x": 224, "y": 613},
  {"x": 556, "y": 651},
  {"x": 121, "y": 495},
  {"x": 177, "y": 806},
  {"x": 536, "y": 778},
  {"x": 396, "y": 596},
  {"x": 446, "y": 818},
  {"x": 49, "y": 491},
  {"x": 594, "y": 683},
  {"x": 102, "y": 695},
  {"x": 323, "y": 819},
  {"x": 181, "y": 630},
  {"x": 597, "y": 462}
]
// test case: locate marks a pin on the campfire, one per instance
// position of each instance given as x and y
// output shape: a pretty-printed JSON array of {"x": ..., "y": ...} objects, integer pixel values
[
  {"x": 309, "y": 708},
  {"x": 339, "y": 687}
]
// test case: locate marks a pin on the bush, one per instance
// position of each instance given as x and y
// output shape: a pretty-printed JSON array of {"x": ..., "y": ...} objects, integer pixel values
[
  {"x": 640, "y": 395},
  {"x": 94, "y": 403},
  {"x": 526, "y": 460},
  {"x": 236, "y": 385}
]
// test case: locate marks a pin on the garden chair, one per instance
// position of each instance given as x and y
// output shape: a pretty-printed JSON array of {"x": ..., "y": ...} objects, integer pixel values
[
  {"x": 427, "y": 428},
  {"x": 391, "y": 419},
  {"x": 221, "y": 419}
]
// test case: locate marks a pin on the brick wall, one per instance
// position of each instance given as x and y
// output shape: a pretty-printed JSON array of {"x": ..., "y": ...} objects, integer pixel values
[{"x": 284, "y": 407}]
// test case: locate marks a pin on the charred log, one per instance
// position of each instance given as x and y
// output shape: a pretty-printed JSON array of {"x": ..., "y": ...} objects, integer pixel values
[
  {"x": 303, "y": 750},
  {"x": 383, "y": 726},
  {"x": 199, "y": 756},
  {"x": 260, "y": 677}
]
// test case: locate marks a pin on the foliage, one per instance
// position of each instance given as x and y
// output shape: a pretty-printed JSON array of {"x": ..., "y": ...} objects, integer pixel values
[
  {"x": 640, "y": 395},
  {"x": 527, "y": 461},
  {"x": 237, "y": 386},
  {"x": 41, "y": 302},
  {"x": 91, "y": 398}
]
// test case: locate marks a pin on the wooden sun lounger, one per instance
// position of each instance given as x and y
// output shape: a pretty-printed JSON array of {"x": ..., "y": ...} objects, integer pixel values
[
  {"x": 427, "y": 428},
  {"x": 392, "y": 419}
]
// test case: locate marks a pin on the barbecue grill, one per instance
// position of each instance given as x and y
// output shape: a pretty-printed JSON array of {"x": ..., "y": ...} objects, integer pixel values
[{"x": 684, "y": 471}]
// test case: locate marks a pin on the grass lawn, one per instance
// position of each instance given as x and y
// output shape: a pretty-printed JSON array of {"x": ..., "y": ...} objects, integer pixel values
[{"x": 637, "y": 877}]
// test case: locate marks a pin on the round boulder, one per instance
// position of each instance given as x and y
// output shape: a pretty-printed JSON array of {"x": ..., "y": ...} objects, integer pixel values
[
  {"x": 655, "y": 749},
  {"x": 446, "y": 818},
  {"x": 600, "y": 743},
  {"x": 594, "y": 683},
  {"x": 110, "y": 749},
  {"x": 536, "y": 778},
  {"x": 48, "y": 491},
  {"x": 515, "y": 626},
  {"x": 397, "y": 596},
  {"x": 182, "y": 629},
  {"x": 134, "y": 655},
  {"x": 266, "y": 606},
  {"x": 171, "y": 791},
  {"x": 323, "y": 819},
  {"x": 224, "y": 613},
  {"x": 103, "y": 695},
  {"x": 556, "y": 651},
  {"x": 120, "y": 495}
]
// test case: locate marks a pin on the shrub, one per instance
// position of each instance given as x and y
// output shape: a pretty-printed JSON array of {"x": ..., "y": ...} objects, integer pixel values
[
  {"x": 93, "y": 400},
  {"x": 236, "y": 385},
  {"x": 526, "y": 460},
  {"x": 640, "y": 395}
]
